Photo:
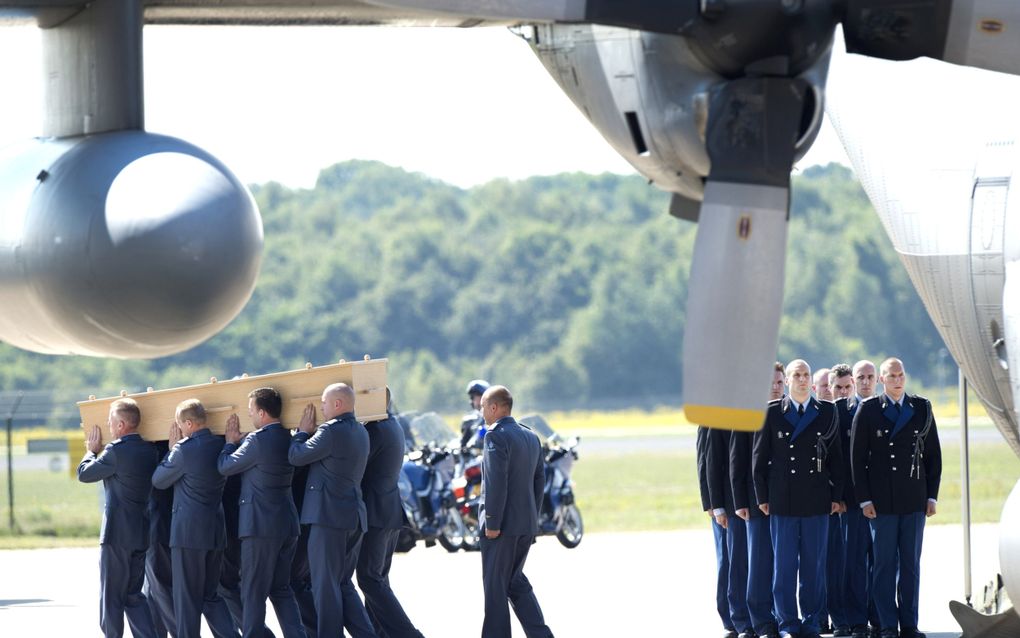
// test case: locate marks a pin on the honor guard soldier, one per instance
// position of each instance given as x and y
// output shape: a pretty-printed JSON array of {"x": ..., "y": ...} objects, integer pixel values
[
  {"x": 337, "y": 452},
  {"x": 897, "y": 467},
  {"x": 759, "y": 537},
  {"x": 197, "y": 529},
  {"x": 820, "y": 385},
  {"x": 722, "y": 561},
  {"x": 798, "y": 481},
  {"x": 847, "y": 591},
  {"x": 513, "y": 481},
  {"x": 860, "y": 559},
  {"x": 823, "y": 391},
  {"x": 267, "y": 522},
  {"x": 721, "y": 500},
  {"x": 385, "y": 518},
  {"x": 125, "y": 467}
]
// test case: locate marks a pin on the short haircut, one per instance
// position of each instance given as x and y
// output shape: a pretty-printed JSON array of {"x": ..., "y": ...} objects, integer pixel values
[
  {"x": 128, "y": 411},
  {"x": 778, "y": 367},
  {"x": 840, "y": 370},
  {"x": 860, "y": 364},
  {"x": 268, "y": 400},
  {"x": 882, "y": 369},
  {"x": 796, "y": 363},
  {"x": 342, "y": 390},
  {"x": 191, "y": 409},
  {"x": 499, "y": 395}
]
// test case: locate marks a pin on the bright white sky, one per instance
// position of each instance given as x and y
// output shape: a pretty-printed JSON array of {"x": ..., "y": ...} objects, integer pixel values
[{"x": 462, "y": 105}]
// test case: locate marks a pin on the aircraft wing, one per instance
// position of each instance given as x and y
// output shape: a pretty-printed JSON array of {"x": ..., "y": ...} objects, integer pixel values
[{"x": 654, "y": 15}]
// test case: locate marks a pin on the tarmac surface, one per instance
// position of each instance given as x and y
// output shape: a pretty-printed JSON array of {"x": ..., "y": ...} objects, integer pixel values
[{"x": 645, "y": 584}]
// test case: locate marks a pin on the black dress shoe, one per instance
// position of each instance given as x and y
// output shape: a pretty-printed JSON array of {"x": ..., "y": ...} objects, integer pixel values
[
  {"x": 747, "y": 634},
  {"x": 911, "y": 633},
  {"x": 860, "y": 633},
  {"x": 841, "y": 632},
  {"x": 730, "y": 633},
  {"x": 890, "y": 633}
]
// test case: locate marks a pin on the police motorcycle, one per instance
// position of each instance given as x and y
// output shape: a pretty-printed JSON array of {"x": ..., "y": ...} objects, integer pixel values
[
  {"x": 424, "y": 485},
  {"x": 467, "y": 491},
  {"x": 559, "y": 514}
]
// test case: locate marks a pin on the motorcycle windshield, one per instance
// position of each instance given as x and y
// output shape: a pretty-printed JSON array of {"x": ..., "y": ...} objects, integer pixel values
[
  {"x": 430, "y": 429},
  {"x": 540, "y": 426}
]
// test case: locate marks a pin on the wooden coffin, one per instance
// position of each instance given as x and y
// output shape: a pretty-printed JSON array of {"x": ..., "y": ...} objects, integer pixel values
[{"x": 223, "y": 398}]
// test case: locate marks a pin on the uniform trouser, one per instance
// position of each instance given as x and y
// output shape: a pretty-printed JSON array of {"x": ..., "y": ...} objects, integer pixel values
[
  {"x": 759, "y": 575},
  {"x": 835, "y": 600},
  {"x": 159, "y": 590},
  {"x": 503, "y": 579},
  {"x": 334, "y": 555},
  {"x": 722, "y": 575},
  {"x": 736, "y": 554},
  {"x": 196, "y": 574},
  {"x": 301, "y": 584},
  {"x": 799, "y": 546},
  {"x": 383, "y": 608},
  {"x": 230, "y": 586},
  {"x": 897, "y": 545},
  {"x": 265, "y": 573},
  {"x": 121, "y": 573},
  {"x": 856, "y": 586}
]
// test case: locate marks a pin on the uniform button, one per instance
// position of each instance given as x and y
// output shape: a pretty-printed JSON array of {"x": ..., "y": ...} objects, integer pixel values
[
  {"x": 890, "y": 443},
  {"x": 791, "y": 446},
  {"x": 792, "y": 459},
  {"x": 793, "y": 471},
  {"x": 892, "y": 456},
  {"x": 894, "y": 469}
]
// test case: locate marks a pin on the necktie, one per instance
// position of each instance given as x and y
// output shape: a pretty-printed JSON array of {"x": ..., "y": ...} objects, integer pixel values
[{"x": 800, "y": 410}]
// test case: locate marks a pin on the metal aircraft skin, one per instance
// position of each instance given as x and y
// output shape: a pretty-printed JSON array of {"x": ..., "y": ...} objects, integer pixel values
[{"x": 712, "y": 101}]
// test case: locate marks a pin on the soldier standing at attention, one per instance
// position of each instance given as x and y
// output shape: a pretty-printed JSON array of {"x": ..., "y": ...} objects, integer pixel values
[
  {"x": 897, "y": 468},
  {"x": 798, "y": 481},
  {"x": 759, "y": 538},
  {"x": 822, "y": 389},
  {"x": 722, "y": 561},
  {"x": 721, "y": 500},
  {"x": 848, "y": 593},
  {"x": 125, "y": 467},
  {"x": 859, "y": 546}
]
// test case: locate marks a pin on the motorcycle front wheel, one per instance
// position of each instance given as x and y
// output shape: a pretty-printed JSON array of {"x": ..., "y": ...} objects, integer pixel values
[
  {"x": 573, "y": 527},
  {"x": 471, "y": 536},
  {"x": 451, "y": 535}
]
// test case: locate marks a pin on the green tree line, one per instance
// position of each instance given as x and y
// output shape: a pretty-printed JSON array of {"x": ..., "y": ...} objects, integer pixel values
[{"x": 570, "y": 289}]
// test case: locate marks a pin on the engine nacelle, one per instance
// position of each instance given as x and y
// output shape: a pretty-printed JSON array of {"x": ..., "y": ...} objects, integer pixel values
[
  {"x": 648, "y": 95},
  {"x": 124, "y": 244}
]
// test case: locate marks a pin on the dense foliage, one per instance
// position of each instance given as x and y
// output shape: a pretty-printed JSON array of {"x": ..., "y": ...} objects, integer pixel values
[{"x": 570, "y": 289}]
